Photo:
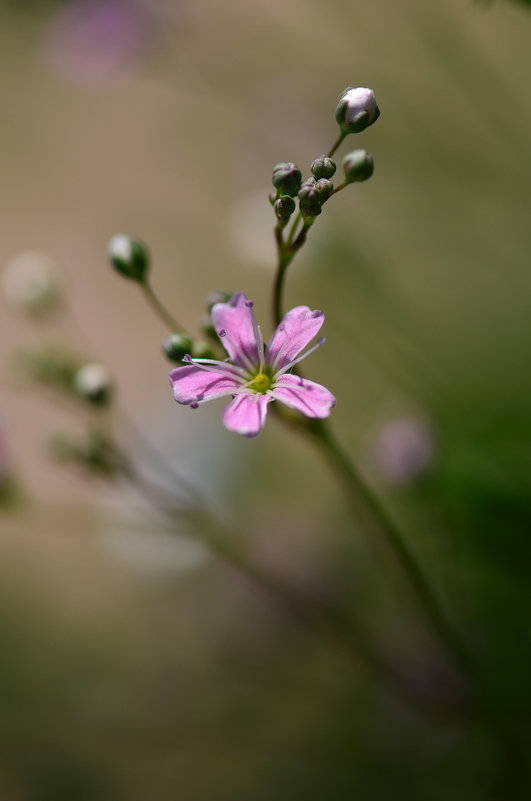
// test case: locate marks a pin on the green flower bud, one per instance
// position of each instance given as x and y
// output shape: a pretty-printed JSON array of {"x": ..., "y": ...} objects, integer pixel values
[
  {"x": 325, "y": 189},
  {"x": 93, "y": 383},
  {"x": 284, "y": 208},
  {"x": 129, "y": 257},
  {"x": 201, "y": 350},
  {"x": 176, "y": 346},
  {"x": 217, "y": 296},
  {"x": 356, "y": 109},
  {"x": 309, "y": 199},
  {"x": 287, "y": 178},
  {"x": 358, "y": 166},
  {"x": 323, "y": 167}
]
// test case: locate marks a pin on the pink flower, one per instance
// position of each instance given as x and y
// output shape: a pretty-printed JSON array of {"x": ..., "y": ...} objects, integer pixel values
[
  {"x": 255, "y": 374},
  {"x": 89, "y": 41}
]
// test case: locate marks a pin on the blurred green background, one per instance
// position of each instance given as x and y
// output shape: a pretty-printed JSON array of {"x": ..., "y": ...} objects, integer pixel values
[{"x": 133, "y": 664}]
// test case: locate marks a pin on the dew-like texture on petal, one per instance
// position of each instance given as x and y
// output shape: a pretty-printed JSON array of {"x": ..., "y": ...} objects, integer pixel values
[
  {"x": 298, "y": 327},
  {"x": 191, "y": 384},
  {"x": 312, "y": 399},
  {"x": 236, "y": 319},
  {"x": 246, "y": 414}
]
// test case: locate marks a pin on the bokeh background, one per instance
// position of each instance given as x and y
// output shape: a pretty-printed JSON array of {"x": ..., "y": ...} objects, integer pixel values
[{"x": 134, "y": 664}]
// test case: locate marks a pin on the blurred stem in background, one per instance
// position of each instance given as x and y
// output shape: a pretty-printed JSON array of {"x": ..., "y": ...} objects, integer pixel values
[{"x": 321, "y": 617}]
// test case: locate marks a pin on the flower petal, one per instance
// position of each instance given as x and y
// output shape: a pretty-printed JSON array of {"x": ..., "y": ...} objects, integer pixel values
[
  {"x": 305, "y": 396},
  {"x": 235, "y": 318},
  {"x": 246, "y": 413},
  {"x": 191, "y": 384},
  {"x": 298, "y": 327}
]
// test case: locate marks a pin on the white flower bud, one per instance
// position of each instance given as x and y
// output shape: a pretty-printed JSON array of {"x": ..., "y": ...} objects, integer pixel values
[
  {"x": 93, "y": 382},
  {"x": 356, "y": 109},
  {"x": 31, "y": 282},
  {"x": 129, "y": 257}
]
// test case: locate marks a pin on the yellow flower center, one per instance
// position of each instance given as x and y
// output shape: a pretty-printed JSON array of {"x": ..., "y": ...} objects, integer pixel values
[{"x": 260, "y": 383}]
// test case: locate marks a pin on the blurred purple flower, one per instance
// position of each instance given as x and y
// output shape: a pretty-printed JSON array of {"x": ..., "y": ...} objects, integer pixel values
[
  {"x": 404, "y": 448},
  {"x": 254, "y": 375},
  {"x": 88, "y": 41}
]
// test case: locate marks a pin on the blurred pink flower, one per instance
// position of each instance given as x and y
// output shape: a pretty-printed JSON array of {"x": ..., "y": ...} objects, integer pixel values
[
  {"x": 255, "y": 374},
  {"x": 404, "y": 448},
  {"x": 93, "y": 40}
]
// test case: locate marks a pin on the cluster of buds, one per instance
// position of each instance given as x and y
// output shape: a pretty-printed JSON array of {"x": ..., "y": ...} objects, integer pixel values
[
  {"x": 355, "y": 111},
  {"x": 311, "y": 194}
]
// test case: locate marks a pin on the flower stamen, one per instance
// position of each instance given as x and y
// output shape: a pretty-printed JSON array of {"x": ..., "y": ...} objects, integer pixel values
[
  {"x": 214, "y": 366},
  {"x": 306, "y": 353},
  {"x": 282, "y": 347},
  {"x": 257, "y": 335},
  {"x": 239, "y": 352}
]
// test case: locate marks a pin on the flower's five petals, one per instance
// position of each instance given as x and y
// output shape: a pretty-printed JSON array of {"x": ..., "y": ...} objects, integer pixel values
[
  {"x": 246, "y": 414},
  {"x": 307, "y": 397},
  {"x": 255, "y": 377},
  {"x": 298, "y": 327},
  {"x": 233, "y": 322},
  {"x": 191, "y": 384}
]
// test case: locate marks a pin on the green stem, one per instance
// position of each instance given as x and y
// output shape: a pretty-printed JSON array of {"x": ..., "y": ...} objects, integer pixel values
[
  {"x": 160, "y": 310},
  {"x": 286, "y": 252},
  {"x": 293, "y": 228},
  {"x": 338, "y": 188},
  {"x": 278, "y": 288},
  {"x": 336, "y": 144},
  {"x": 358, "y": 491}
]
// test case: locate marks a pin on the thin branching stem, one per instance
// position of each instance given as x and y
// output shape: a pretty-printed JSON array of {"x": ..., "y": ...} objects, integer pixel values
[
  {"x": 160, "y": 310},
  {"x": 336, "y": 144}
]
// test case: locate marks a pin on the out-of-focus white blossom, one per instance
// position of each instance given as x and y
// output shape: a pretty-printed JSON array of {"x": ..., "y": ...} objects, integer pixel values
[
  {"x": 31, "y": 282},
  {"x": 93, "y": 382}
]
